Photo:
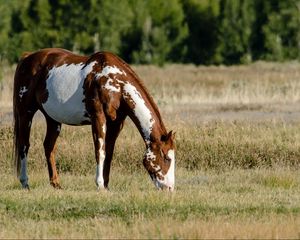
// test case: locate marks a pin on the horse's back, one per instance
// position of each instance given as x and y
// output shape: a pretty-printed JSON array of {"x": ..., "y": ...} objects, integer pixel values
[
  {"x": 32, "y": 62},
  {"x": 33, "y": 67},
  {"x": 54, "y": 78}
]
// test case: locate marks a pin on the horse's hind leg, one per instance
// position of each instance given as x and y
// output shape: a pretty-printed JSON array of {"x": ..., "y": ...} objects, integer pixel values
[
  {"x": 53, "y": 130},
  {"x": 24, "y": 126}
]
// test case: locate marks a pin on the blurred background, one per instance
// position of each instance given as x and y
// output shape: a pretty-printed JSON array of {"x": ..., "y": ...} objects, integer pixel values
[
  {"x": 225, "y": 75},
  {"x": 157, "y": 32}
]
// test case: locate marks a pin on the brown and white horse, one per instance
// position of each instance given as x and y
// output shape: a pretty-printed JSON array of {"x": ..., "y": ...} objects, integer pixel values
[{"x": 101, "y": 90}]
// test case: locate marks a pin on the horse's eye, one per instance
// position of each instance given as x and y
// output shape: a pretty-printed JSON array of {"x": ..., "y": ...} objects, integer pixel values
[{"x": 167, "y": 159}]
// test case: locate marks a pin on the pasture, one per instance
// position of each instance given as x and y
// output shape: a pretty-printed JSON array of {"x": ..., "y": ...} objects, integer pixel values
[{"x": 237, "y": 173}]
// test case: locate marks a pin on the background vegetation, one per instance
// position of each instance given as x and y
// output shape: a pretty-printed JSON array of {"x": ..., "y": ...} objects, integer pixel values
[{"x": 140, "y": 31}]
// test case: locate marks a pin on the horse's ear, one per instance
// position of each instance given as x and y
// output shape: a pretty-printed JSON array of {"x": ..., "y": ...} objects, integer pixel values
[
  {"x": 169, "y": 137},
  {"x": 173, "y": 135}
]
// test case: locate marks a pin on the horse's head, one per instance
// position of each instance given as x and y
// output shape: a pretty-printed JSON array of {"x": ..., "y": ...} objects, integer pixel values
[{"x": 159, "y": 161}]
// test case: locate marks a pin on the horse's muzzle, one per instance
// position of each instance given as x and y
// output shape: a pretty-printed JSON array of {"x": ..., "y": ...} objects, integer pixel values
[{"x": 161, "y": 186}]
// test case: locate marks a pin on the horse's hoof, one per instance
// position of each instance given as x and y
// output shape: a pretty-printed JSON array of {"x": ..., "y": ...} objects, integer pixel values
[
  {"x": 56, "y": 185},
  {"x": 26, "y": 187},
  {"x": 102, "y": 188}
]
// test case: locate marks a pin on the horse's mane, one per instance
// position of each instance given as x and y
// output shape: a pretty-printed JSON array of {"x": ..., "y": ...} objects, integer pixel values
[{"x": 146, "y": 92}]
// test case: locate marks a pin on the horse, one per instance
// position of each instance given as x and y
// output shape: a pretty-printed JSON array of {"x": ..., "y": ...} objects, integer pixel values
[{"x": 100, "y": 90}]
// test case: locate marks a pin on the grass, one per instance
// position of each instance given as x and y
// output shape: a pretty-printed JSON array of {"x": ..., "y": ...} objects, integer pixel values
[
  {"x": 220, "y": 202},
  {"x": 237, "y": 171},
  {"x": 252, "y": 84},
  {"x": 217, "y": 146}
]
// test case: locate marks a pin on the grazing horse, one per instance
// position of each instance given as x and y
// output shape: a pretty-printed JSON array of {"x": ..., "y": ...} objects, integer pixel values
[{"x": 100, "y": 90}]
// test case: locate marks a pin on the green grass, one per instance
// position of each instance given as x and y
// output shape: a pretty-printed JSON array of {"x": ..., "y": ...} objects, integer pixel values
[{"x": 133, "y": 205}]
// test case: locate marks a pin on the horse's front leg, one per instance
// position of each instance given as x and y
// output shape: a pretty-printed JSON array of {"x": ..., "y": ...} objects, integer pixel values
[
  {"x": 53, "y": 130},
  {"x": 99, "y": 131}
]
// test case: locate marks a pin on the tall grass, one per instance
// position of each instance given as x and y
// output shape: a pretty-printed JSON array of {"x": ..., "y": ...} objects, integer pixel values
[
  {"x": 217, "y": 146},
  {"x": 256, "y": 83},
  {"x": 6, "y": 86}
]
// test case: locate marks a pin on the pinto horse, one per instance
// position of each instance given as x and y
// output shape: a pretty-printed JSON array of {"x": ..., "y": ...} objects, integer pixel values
[{"x": 100, "y": 90}]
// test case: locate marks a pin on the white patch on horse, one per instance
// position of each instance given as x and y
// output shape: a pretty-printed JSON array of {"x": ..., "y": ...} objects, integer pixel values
[
  {"x": 23, "y": 170},
  {"x": 155, "y": 167},
  {"x": 111, "y": 84},
  {"x": 141, "y": 111},
  {"x": 110, "y": 70},
  {"x": 58, "y": 128},
  {"x": 99, "y": 167},
  {"x": 150, "y": 155},
  {"x": 170, "y": 175},
  {"x": 22, "y": 91},
  {"x": 65, "y": 93}
]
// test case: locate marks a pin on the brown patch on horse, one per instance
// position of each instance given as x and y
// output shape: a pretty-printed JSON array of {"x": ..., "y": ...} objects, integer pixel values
[{"x": 109, "y": 99}]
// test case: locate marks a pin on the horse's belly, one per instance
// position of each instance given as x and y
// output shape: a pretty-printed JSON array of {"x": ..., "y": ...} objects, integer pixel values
[
  {"x": 64, "y": 86},
  {"x": 70, "y": 112}
]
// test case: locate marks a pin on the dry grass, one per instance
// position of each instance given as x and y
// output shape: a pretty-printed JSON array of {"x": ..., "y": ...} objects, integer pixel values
[
  {"x": 6, "y": 86},
  {"x": 256, "y": 83},
  {"x": 238, "y": 151},
  {"x": 217, "y": 146}
]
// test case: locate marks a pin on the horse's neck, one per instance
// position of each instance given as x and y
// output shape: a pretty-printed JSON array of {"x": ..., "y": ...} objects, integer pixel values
[{"x": 143, "y": 112}]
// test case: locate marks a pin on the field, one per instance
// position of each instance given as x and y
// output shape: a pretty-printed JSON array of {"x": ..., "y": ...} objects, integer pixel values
[{"x": 237, "y": 173}]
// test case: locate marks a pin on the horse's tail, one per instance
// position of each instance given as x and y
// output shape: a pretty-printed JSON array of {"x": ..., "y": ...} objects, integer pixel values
[
  {"x": 16, "y": 143},
  {"x": 16, "y": 122}
]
